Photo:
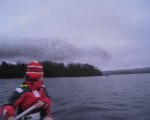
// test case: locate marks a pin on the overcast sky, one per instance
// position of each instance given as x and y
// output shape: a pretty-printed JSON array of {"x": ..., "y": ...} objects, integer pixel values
[{"x": 109, "y": 34}]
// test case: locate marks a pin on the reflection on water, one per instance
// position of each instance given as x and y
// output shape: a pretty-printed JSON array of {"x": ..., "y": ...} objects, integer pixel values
[{"x": 118, "y": 97}]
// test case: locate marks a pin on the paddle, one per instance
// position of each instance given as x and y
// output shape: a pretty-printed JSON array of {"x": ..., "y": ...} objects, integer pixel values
[{"x": 25, "y": 112}]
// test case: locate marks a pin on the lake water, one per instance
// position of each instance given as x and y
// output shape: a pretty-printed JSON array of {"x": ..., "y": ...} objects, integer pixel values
[{"x": 116, "y": 97}]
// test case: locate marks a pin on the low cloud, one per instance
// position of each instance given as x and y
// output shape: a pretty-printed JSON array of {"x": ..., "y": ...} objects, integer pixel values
[{"x": 48, "y": 49}]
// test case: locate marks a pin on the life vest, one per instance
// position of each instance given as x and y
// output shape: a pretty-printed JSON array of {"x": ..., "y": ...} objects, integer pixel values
[{"x": 27, "y": 95}]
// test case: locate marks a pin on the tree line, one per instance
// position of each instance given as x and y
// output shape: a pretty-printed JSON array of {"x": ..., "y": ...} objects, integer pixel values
[{"x": 51, "y": 69}]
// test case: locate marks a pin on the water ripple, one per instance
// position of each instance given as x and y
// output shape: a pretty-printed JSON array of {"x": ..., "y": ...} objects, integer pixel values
[{"x": 125, "y": 97}]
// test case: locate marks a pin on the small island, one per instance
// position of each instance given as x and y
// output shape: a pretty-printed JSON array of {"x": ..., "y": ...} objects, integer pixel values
[{"x": 51, "y": 69}]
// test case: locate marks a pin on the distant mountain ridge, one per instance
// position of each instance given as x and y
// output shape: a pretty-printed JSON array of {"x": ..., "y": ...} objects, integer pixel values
[{"x": 127, "y": 71}]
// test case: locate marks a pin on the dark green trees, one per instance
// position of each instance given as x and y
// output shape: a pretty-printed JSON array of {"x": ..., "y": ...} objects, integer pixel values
[
  {"x": 82, "y": 70},
  {"x": 11, "y": 70},
  {"x": 51, "y": 69}
]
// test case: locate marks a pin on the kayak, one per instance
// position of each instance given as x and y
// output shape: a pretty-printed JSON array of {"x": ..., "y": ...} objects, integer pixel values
[
  {"x": 25, "y": 112},
  {"x": 35, "y": 116}
]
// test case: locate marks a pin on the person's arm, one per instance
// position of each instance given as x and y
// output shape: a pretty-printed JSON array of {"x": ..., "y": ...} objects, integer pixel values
[
  {"x": 8, "y": 109},
  {"x": 46, "y": 98},
  {"x": 46, "y": 112}
]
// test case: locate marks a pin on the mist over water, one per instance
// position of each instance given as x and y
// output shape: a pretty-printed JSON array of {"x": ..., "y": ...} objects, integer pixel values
[
  {"x": 117, "y": 97},
  {"x": 52, "y": 49}
]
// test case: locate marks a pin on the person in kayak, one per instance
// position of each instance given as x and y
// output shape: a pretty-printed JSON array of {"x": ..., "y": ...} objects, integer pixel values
[{"x": 31, "y": 92}]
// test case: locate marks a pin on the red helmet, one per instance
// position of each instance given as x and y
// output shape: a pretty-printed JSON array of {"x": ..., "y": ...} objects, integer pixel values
[{"x": 34, "y": 70}]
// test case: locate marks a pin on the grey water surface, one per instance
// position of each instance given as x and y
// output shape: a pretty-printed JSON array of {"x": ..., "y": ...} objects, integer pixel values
[{"x": 116, "y": 97}]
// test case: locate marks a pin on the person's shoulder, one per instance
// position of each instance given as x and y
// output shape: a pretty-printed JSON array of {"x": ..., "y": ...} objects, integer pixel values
[
  {"x": 19, "y": 90},
  {"x": 23, "y": 88}
]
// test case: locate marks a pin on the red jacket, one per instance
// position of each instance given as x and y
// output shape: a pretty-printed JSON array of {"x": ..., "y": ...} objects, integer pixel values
[{"x": 27, "y": 95}]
